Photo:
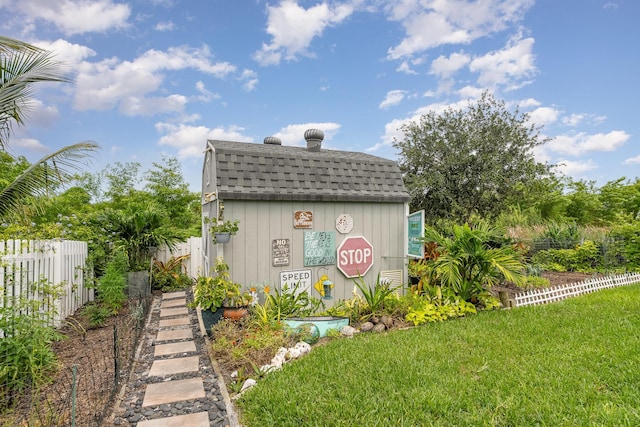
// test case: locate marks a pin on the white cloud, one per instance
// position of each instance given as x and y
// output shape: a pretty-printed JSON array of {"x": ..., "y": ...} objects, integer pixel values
[
  {"x": 511, "y": 67},
  {"x": 432, "y": 23},
  {"x": 250, "y": 79},
  {"x": 292, "y": 29},
  {"x": 445, "y": 67},
  {"x": 404, "y": 67},
  {"x": 543, "y": 116},
  {"x": 575, "y": 168},
  {"x": 573, "y": 120},
  {"x": 75, "y": 16},
  {"x": 130, "y": 85},
  {"x": 581, "y": 143},
  {"x": 71, "y": 54},
  {"x": 165, "y": 26},
  {"x": 29, "y": 144},
  {"x": 205, "y": 94},
  {"x": 294, "y": 134},
  {"x": 190, "y": 141},
  {"x": 394, "y": 97},
  {"x": 632, "y": 160}
]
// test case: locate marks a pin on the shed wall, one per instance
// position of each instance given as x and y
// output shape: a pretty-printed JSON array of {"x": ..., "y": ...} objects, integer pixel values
[{"x": 249, "y": 254}]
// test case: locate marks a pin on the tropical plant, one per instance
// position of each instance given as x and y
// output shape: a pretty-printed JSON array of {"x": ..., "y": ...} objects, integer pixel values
[
  {"x": 138, "y": 229},
  {"x": 290, "y": 302},
  {"x": 168, "y": 276},
  {"x": 374, "y": 297},
  {"x": 211, "y": 291},
  {"x": 468, "y": 264}
]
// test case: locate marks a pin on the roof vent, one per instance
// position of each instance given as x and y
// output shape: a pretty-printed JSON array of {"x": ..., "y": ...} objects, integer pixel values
[
  {"x": 272, "y": 140},
  {"x": 314, "y": 139}
]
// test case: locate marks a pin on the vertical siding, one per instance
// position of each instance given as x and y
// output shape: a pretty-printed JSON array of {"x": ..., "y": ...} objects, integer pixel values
[{"x": 249, "y": 252}]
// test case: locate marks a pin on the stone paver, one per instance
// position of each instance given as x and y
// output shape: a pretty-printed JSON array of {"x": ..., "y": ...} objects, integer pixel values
[
  {"x": 173, "y": 303},
  {"x": 177, "y": 334},
  {"x": 178, "y": 311},
  {"x": 174, "y": 348},
  {"x": 178, "y": 321},
  {"x": 179, "y": 365},
  {"x": 170, "y": 295},
  {"x": 173, "y": 391},
  {"x": 199, "y": 419}
]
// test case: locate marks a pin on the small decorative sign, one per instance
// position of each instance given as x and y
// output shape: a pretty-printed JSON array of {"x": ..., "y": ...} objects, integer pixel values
[
  {"x": 319, "y": 248},
  {"x": 303, "y": 219},
  {"x": 302, "y": 278},
  {"x": 344, "y": 223},
  {"x": 415, "y": 233},
  {"x": 280, "y": 249}
]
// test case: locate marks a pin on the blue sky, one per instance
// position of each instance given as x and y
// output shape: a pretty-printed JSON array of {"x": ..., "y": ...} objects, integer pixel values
[{"x": 156, "y": 77}]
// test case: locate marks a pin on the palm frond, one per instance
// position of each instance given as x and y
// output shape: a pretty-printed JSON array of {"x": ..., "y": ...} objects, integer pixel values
[
  {"x": 48, "y": 173},
  {"x": 21, "y": 65}
]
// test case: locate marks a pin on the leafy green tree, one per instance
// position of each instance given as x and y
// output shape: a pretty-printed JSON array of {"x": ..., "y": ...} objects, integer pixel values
[
  {"x": 583, "y": 203},
  {"x": 41, "y": 177},
  {"x": 468, "y": 263},
  {"x": 168, "y": 188},
  {"x": 469, "y": 161}
]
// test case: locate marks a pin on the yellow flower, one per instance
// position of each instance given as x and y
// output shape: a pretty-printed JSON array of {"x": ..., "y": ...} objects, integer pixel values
[
  {"x": 253, "y": 289},
  {"x": 267, "y": 289}
]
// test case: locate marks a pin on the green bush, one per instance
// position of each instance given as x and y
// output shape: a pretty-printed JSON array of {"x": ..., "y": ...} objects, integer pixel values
[
  {"x": 627, "y": 250},
  {"x": 112, "y": 284},
  {"x": 26, "y": 358},
  {"x": 584, "y": 258}
]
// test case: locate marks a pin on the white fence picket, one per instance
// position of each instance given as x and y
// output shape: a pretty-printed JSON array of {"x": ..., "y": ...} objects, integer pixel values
[
  {"x": 25, "y": 263},
  {"x": 557, "y": 293}
]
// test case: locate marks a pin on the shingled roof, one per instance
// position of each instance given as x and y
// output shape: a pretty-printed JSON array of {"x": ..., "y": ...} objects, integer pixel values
[{"x": 249, "y": 171}]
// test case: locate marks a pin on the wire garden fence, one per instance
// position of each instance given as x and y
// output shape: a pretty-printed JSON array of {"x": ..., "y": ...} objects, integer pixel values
[{"x": 92, "y": 366}]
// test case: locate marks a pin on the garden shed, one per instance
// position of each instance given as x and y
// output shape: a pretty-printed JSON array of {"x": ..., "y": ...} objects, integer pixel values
[{"x": 307, "y": 215}]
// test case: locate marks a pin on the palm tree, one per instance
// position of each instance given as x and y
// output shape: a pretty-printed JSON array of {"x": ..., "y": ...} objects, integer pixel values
[
  {"x": 468, "y": 264},
  {"x": 139, "y": 228},
  {"x": 21, "y": 65},
  {"x": 48, "y": 173}
]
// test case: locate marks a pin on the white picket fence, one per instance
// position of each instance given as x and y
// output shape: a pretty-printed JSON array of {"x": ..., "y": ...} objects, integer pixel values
[
  {"x": 26, "y": 264},
  {"x": 193, "y": 266},
  {"x": 560, "y": 292}
]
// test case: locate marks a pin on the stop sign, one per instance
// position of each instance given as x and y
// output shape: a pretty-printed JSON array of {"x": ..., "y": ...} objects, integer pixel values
[{"x": 355, "y": 256}]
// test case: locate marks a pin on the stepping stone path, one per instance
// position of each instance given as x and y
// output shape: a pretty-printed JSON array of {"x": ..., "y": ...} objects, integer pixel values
[{"x": 174, "y": 383}]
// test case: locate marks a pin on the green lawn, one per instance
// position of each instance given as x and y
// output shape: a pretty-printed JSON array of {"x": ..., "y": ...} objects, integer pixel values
[{"x": 572, "y": 363}]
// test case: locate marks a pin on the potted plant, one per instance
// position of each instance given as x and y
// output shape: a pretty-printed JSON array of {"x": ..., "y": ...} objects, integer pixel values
[
  {"x": 210, "y": 293},
  {"x": 236, "y": 305},
  {"x": 223, "y": 230}
]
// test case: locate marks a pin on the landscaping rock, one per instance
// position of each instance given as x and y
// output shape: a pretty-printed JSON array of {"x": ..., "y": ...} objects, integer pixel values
[
  {"x": 348, "y": 331},
  {"x": 366, "y": 326},
  {"x": 387, "y": 321},
  {"x": 379, "y": 328}
]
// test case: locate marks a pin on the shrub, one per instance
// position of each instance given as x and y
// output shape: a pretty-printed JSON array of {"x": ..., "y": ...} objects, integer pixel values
[
  {"x": 584, "y": 258},
  {"x": 112, "y": 284},
  {"x": 27, "y": 359}
]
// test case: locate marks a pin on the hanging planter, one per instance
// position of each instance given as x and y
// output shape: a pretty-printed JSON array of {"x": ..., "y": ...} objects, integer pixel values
[
  {"x": 223, "y": 230},
  {"x": 222, "y": 237}
]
